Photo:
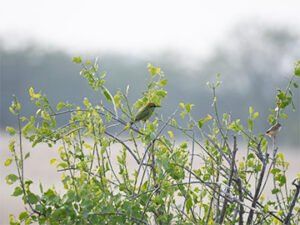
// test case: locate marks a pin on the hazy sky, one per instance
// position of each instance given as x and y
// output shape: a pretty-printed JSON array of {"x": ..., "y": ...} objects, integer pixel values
[{"x": 136, "y": 26}]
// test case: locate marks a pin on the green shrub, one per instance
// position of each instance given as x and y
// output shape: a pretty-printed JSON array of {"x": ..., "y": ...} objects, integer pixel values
[{"x": 157, "y": 180}]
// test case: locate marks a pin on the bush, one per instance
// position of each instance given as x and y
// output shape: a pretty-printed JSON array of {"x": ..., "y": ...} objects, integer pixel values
[{"x": 158, "y": 179}]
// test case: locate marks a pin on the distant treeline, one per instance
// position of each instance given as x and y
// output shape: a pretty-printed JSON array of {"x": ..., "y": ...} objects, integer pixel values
[{"x": 253, "y": 62}]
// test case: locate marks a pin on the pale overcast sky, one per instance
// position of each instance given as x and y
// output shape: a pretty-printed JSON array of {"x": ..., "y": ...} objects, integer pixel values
[{"x": 136, "y": 26}]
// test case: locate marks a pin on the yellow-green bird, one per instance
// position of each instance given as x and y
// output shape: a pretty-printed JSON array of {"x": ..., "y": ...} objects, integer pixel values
[{"x": 145, "y": 112}]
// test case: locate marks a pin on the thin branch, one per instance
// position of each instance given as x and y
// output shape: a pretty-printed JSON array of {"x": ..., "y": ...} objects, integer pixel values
[
  {"x": 241, "y": 199},
  {"x": 257, "y": 190},
  {"x": 287, "y": 220},
  {"x": 126, "y": 146},
  {"x": 232, "y": 170},
  {"x": 71, "y": 172}
]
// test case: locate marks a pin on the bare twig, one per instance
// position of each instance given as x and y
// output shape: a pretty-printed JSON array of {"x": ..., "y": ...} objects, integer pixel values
[
  {"x": 232, "y": 171},
  {"x": 287, "y": 220},
  {"x": 258, "y": 188}
]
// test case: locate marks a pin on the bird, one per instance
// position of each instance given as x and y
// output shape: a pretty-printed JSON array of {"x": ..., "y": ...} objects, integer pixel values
[
  {"x": 273, "y": 131},
  {"x": 145, "y": 112}
]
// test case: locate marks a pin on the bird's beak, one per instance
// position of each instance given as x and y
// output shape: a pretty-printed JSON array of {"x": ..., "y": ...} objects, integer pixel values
[{"x": 158, "y": 106}]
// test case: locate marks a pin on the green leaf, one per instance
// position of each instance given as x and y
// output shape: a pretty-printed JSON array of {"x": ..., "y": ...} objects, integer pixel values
[
  {"x": 255, "y": 115},
  {"x": 117, "y": 100},
  {"x": 8, "y": 161},
  {"x": 271, "y": 119},
  {"x": 163, "y": 82},
  {"x": 32, "y": 198},
  {"x": 161, "y": 93},
  {"x": 183, "y": 145},
  {"x": 250, "y": 124},
  {"x": 297, "y": 69},
  {"x": 182, "y": 114},
  {"x": 189, "y": 203},
  {"x": 52, "y": 161},
  {"x": 275, "y": 170},
  {"x": 153, "y": 70},
  {"x": 11, "y": 130},
  {"x": 107, "y": 95},
  {"x": 275, "y": 191},
  {"x": 13, "y": 221},
  {"x": 250, "y": 110},
  {"x": 62, "y": 165},
  {"x": 23, "y": 215},
  {"x": 27, "y": 128},
  {"x": 11, "y": 178},
  {"x": 110, "y": 98},
  {"x": 33, "y": 95},
  {"x": 295, "y": 85},
  {"x": 235, "y": 125},
  {"x": 45, "y": 115},
  {"x": 17, "y": 192},
  {"x": 27, "y": 155},
  {"x": 188, "y": 107},
  {"x": 11, "y": 145},
  {"x": 282, "y": 180},
  {"x": 204, "y": 120},
  {"x": 280, "y": 156},
  {"x": 171, "y": 134},
  {"x": 77, "y": 60},
  {"x": 60, "y": 105}
]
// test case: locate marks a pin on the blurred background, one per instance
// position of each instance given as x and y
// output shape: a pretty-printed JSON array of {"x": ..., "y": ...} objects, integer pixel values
[{"x": 252, "y": 44}]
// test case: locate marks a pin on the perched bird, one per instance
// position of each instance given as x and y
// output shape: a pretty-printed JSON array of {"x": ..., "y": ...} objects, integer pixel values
[
  {"x": 145, "y": 112},
  {"x": 273, "y": 131}
]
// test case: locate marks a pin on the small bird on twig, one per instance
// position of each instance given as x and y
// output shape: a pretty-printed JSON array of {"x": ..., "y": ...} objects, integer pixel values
[
  {"x": 273, "y": 131},
  {"x": 145, "y": 112}
]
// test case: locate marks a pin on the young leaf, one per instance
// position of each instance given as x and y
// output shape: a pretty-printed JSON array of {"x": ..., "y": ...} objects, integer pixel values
[
  {"x": 110, "y": 98},
  {"x": 11, "y": 130},
  {"x": 23, "y": 215},
  {"x": 52, "y": 161},
  {"x": 297, "y": 69},
  {"x": 8, "y": 161},
  {"x": 153, "y": 70},
  {"x": 27, "y": 155},
  {"x": 18, "y": 191},
  {"x": 171, "y": 134},
  {"x": 33, "y": 95},
  {"x": 77, "y": 60},
  {"x": 107, "y": 95},
  {"x": 60, "y": 105},
  {"x": 188, "y": 107},
  {"x": 163, "y": 82},
  {"x": 161, "y": 93},
  {"x": 11, "y": 178},
  {"x": 204, "y": 120},
  {"x": 250, "y": 110},
  {"x": 117, "y": 100},
  {"x": 32, "y": 198}
]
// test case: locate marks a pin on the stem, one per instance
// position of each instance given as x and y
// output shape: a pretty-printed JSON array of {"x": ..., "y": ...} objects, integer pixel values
[
  {"x": 232, "y": 170},
  {"x": 20, "y": 164},
  {"x": 287, "y": 220},
  {"x": 71, "y": 171},
  {"x": 257, "y": 190}
]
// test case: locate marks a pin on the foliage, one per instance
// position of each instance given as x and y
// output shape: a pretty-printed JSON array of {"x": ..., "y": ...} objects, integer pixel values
[{"x": 157, "y": 180}]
